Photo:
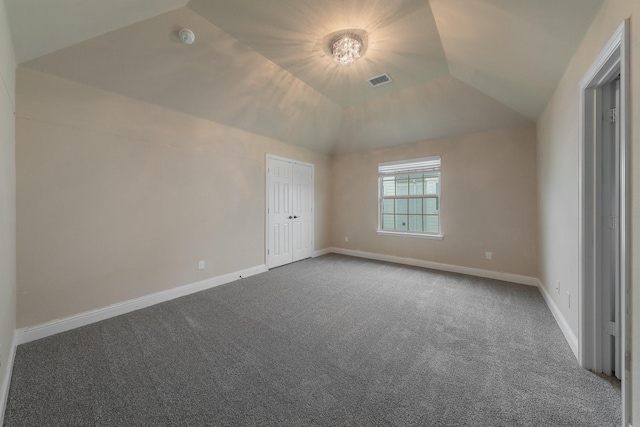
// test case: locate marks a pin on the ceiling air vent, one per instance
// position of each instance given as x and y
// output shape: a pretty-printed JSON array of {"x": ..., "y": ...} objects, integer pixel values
[{"x": 380, "y": 80}]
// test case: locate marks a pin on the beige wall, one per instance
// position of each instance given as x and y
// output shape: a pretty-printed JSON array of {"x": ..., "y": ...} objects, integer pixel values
[
  {"x": 136, "y": 194},
  {"x": 488, "y": 202},
  {"x": 118, "y": 199},
  {"x": 558, "y": 171},
  {"x": 7, "y": 199}
]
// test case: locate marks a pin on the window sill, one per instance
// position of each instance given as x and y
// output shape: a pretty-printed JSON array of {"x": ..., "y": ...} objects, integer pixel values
[{"x": 414, "y": 235}]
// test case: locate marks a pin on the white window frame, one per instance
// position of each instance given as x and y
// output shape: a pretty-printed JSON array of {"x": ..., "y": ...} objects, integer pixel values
[{"x": 430, "y": 165}]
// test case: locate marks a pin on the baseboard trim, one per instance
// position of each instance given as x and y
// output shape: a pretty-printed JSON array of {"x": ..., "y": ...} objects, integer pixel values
[
  {"x": 321, "y": 252},
  {"x": 4, "y": 387},
  {"x": 37, "y": 332},
  {"x": 507, "y": 277},
  {"x": 560, "y": 320}
]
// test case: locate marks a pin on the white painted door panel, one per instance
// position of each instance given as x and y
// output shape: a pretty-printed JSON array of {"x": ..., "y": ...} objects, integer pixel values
[
  {"x": 289, "y": 211},
  {"x": 280, "y": 226},
  {"x": 302, "y": 211}
]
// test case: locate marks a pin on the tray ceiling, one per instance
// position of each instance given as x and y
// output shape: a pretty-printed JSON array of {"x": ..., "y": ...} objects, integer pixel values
[{"x": 458, "y": 66}]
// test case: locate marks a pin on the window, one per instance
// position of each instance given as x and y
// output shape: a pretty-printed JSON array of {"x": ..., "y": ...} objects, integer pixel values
[{"x": 409, "y": 197}]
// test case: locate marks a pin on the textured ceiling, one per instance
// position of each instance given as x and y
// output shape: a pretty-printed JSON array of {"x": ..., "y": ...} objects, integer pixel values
[
  {"x": 39, "y": 27},
  {"x": 403, "y": 41},
  {"x": 458, "y": 66}
]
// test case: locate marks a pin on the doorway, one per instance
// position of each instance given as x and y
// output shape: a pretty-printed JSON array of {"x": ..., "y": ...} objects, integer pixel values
[
  {"x": 290, "y": 216},
  {"x": 604, "y": 214},
  {"x": 607, "y": 242}
]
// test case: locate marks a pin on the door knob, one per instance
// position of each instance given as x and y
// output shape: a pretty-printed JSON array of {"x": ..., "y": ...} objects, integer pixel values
[
  {"x": 290, "y": 217},
  {"x": 296, "y": 216}
]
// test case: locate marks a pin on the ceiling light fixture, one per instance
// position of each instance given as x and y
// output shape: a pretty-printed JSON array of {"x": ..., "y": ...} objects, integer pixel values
[{"x": 346, "y": 48}]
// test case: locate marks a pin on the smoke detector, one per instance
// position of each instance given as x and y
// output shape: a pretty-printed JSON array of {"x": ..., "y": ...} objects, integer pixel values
[{"x": 186, "y": 36}]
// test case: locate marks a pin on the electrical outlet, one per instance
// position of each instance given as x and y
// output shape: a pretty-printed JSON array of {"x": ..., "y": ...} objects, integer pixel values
[
  {"x": 346, "y": 239},
  {"x": 488, "y": 255},
  {"x": 558, "y": 286},
  {"x": 201, "y": 264}
]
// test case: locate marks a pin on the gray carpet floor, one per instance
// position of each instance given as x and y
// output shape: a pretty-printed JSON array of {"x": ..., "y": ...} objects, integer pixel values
[{"x": 330, "y": 341}]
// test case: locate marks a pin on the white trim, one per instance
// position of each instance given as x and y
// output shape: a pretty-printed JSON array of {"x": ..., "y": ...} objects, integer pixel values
[
  {"x": 287, "y": 159},
  {"x": 33, "y": 333},
  {"x": 507, "y": 277},
  {"x": 4, "y": 387},
  {"x": 410, "y": 166},
  {"x": 321, "y": 252},
  {"x": 571, "y": 338},
  {"x": 409, "y": 234},
  {"x": 603, "y": 58},
  {"x": 613, "y": 58}
]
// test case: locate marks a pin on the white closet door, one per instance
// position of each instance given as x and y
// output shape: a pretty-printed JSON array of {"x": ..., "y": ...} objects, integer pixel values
[
  {"x": 280, "y": 216},
  {"x": 302, "y": 211},
  {"x": 289, "y": 211}
]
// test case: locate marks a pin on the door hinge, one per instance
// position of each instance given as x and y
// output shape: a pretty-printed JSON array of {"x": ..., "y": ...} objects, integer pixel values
[
  {"x": 612, "y": 329},
  {"x": 613, "y": 115},
  {"x": 613, "y": 221},
  {"x": 267, "y": 251}
]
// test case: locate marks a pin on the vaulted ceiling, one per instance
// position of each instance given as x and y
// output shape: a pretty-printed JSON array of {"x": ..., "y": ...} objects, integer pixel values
[{"x": 458, "y": 66}]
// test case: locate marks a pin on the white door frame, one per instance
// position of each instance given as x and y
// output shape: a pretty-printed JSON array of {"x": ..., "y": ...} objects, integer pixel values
[
  {"x": 613, "y": 60},
  {"x": 266, "y": 209}
]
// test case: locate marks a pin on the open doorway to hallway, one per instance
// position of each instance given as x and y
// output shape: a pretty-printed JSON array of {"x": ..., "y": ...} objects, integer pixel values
[{"x": 604, "y": 215}]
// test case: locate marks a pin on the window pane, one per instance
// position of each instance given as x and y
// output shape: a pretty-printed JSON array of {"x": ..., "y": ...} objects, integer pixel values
[
  {"x": 415, "y": 223},
  {"x": 416, "y": 185},
  {"x": 430, "y": 205},
  {"x": 415, "y": 206},
  {"x": 388, "y": 222},
  {"x": 401, "y": 206},
  {"x": 431, "y": 223},
  {"x": 401, "y": 222},
  {"x": 410, "y": 202},
  {"x": 388, "y": 186},
  {"x": 402, "y": 185},
  {"x": 431, "y": 184},
  {"x": 388, "y": 206}
]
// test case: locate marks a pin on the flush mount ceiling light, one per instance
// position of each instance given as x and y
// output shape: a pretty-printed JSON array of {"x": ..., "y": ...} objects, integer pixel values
[{"x": 346, "y": 48}]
